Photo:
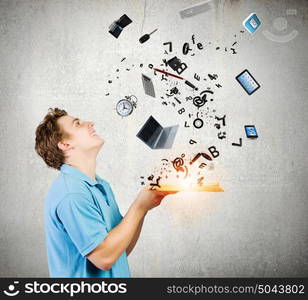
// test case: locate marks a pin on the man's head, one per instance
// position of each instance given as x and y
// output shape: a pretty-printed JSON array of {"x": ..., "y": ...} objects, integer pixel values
[{"x": 61, "y": 137}]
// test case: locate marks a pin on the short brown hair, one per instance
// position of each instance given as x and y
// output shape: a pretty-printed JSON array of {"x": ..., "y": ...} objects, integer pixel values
[{"x": 47, "y": 136}]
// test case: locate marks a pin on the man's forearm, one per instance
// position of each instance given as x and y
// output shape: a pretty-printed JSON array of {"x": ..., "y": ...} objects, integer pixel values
[
  {"x": 135, "y": 238},
  {"x": 126, "y": 233}
]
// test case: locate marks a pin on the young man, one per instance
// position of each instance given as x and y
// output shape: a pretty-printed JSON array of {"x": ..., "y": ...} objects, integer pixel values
[{"x": 85, "y": 233}]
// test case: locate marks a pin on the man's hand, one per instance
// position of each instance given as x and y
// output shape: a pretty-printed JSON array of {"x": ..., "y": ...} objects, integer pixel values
[{"x": 148, "y": 199}]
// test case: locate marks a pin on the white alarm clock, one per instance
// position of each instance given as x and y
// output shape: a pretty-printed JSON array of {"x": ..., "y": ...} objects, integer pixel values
[{"x": 126, "y": 106}]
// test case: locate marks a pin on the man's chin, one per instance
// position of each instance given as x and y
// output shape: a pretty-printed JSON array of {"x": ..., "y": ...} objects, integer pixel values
[{"x": 102, "y": 142}]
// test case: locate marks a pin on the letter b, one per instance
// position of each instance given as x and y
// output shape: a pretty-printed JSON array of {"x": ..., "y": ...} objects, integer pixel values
[{"x": 213, "y": 151}]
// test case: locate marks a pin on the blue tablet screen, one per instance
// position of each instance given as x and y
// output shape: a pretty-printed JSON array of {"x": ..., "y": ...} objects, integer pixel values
[{"x": 246, "y": 80}]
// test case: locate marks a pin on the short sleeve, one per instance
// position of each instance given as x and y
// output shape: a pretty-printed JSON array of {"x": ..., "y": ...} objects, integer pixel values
[{"x": 83, "y": 222}]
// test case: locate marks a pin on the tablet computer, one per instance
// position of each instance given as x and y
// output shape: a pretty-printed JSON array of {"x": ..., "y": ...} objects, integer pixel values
[{"x": 247, "y": 81}]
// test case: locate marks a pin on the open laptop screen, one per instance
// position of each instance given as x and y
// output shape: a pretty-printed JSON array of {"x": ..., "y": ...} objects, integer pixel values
[{"x": 150, "y": 131}]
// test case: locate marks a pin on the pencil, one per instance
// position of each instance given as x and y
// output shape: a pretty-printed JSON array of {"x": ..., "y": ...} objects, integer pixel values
[{"x": 167, "y": 73}]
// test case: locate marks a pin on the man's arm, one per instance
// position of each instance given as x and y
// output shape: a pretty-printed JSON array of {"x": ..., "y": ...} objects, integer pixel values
[
  {"x": 135, "y": 238},
  {"x": 123, "y": 235}
]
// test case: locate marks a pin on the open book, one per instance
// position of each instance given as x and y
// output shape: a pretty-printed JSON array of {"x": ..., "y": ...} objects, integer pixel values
[{"x": 213, "y": 187}]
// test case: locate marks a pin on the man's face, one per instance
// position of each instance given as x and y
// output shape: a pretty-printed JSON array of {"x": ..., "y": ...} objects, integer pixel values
[{"x": 80, "y": 135}]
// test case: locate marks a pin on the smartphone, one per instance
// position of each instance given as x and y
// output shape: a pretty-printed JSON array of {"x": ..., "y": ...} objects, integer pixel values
[{"x": 148, "y": 86}]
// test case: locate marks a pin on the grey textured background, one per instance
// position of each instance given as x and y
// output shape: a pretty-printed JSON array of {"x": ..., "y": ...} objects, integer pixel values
[{"x": 60, "y": 54}]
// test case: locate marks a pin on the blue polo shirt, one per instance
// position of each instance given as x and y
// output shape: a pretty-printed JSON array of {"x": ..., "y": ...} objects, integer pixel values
[{"x": 79, "y": 213}]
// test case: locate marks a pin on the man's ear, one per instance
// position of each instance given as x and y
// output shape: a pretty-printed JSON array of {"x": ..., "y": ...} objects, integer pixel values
[{"x": 64, "y": 146}]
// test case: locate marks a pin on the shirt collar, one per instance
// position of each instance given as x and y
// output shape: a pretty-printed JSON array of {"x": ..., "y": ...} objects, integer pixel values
[{"x": 67, "y": 169}]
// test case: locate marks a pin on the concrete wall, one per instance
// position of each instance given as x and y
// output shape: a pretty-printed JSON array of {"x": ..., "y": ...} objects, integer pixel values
[{"x": 60, "y": 54}]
